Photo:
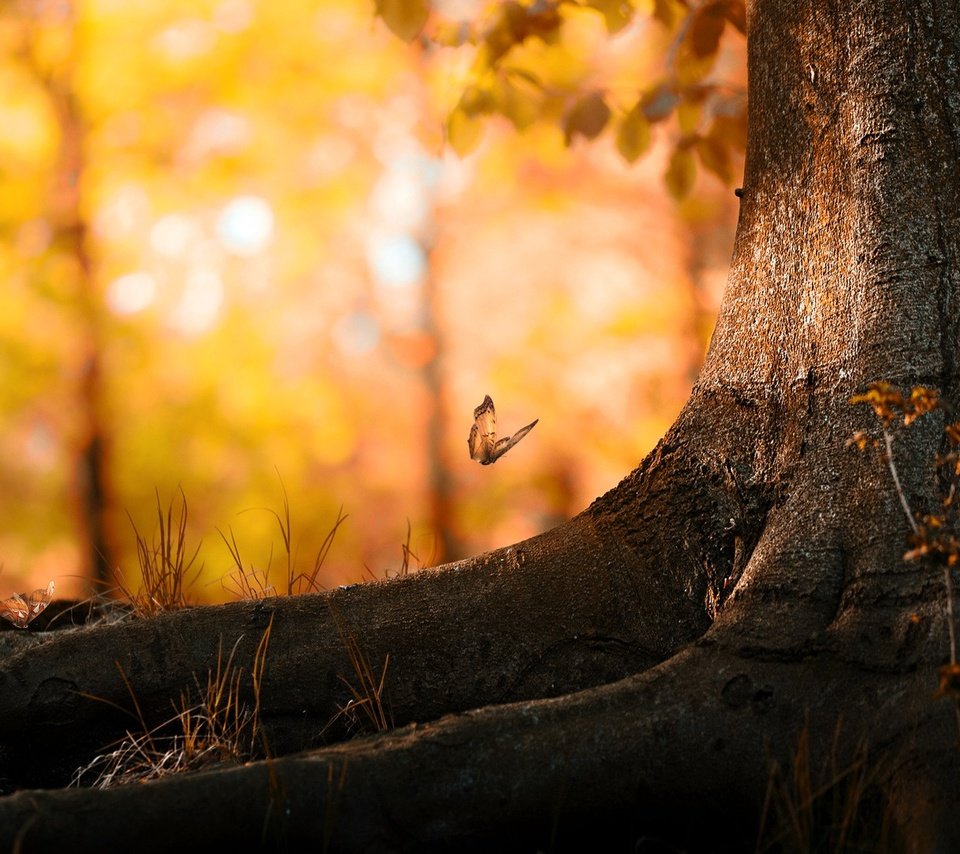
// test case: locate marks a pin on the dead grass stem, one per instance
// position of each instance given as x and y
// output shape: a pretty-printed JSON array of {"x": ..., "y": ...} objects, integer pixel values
[{"x": 219, "y": 726}]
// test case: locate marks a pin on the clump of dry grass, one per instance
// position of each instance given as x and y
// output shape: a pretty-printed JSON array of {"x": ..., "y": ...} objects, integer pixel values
[
  {"x": 217, "y": 727},
  {"x": 253, "y": 583},
  {"x": 165, "y": 563},
  {"x": 833, "y": 810},
  {"x": 367, "y": 708},
  {"x": 407, "y": 555}
]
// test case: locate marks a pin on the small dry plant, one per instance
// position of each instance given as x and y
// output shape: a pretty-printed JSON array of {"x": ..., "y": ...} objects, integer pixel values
[
  {"x": 833, "y": 809},
  {"x": 407, "y": 555},
  {"x": 932, "y": 539},
  {"x": 367, "y": 708},
  {"x": 253, "y": 583},
  {"x": 216, "y": 727},
  {"x": 165, "y": 564}
]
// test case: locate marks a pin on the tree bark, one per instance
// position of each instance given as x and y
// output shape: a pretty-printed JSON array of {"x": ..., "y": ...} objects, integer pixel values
[{"x": 741, "y": 593}]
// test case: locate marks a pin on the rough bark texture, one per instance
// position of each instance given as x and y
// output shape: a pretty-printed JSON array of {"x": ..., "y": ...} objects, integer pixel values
[{"x": 647, "y": 661}]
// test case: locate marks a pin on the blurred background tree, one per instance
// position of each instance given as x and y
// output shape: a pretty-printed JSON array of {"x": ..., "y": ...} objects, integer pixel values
[{"x": 251, "y": 248}]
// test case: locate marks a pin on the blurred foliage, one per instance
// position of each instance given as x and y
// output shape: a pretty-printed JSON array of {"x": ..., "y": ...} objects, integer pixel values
[
  {"x": 528, "y": 66},
  {"x": 251, "y": 215}
]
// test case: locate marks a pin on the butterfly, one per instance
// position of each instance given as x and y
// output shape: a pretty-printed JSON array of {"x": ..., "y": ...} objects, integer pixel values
[
  {"x": 21, "y": 608},
  {"x": 484, "y": 446}
]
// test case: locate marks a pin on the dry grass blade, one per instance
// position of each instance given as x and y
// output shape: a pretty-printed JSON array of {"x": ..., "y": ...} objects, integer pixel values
[
  {"x": 245, "y": 583},
  {"x": 218, "y": 728},
  {"x": 367, "y": 709},
  {"x": 307, "y": 582},
  {"x": 299, "y": 582},
  {"x": 255, "y": 584},
  {"x": 164, "y": 563},
  {"x": 835, "y": 810},
  {"x": 407, "y": 554}
]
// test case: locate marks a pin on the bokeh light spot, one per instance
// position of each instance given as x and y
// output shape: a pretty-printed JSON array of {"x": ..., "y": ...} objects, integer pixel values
[
  {"x": 131, "y": 293},
  {"x": 246, "y": 225}
]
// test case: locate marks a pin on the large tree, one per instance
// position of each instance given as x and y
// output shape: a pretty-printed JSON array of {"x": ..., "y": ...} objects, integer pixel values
[{"x": 739, "y": 601}]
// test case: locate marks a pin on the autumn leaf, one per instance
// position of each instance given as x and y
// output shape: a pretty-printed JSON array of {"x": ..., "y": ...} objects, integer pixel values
[
  {"x": 731, "y": 130},
  {"x": 633, "y": 135},
  {"x": 588, "y": 117},
  {"x": 516, "y": 23},
  {"x": 921, "y": 401},
  {"x": 735, "y": 11},
  {"x": 405, "y": 18},
  {"x": 689, "y": 111},
  {"x": 518, "y": 101},
  {"x": 681, "y": 173},
  {"x": 659, "y": 102},
  {"x": 715, "y": 157},
  {"x": 949, "y": 681},
  {"x": 667, "y": 12},
  {"x": 616, "y": 13},
  {"x": 464, "y": 131},
  {"x": 706, "y": 29}
]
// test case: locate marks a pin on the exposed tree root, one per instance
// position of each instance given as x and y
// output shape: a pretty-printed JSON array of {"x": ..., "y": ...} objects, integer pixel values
[{"x": 692, "y": 737}]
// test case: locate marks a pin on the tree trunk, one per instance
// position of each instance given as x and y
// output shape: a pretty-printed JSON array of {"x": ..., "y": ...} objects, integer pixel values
[{"x": 739, "y": 602}]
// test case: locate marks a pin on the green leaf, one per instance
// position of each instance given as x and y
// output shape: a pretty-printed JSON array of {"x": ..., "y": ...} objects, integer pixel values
[
  {"x": 616, "y": 13},
  {"x": 633, "y": 135},
  {"x": 681, "y": 173},
  {"x": 588, "y": 117},
  {"x": 405, "y": 18}
]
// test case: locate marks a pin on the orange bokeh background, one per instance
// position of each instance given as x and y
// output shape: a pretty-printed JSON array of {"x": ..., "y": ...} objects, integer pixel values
[{"x": 239, "y": 260}]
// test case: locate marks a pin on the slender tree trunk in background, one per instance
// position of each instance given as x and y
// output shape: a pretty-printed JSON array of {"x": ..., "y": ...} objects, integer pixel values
[
  {"x": 441, "y": 512},
  {"x": 71, "y": 236},
  {"x": 739, "y": 599}
]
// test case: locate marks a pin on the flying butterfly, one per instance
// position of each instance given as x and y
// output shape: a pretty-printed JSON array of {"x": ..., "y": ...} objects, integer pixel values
[
  {"x": 484, "y": 446},
  {"x": 21, "y": 608}
]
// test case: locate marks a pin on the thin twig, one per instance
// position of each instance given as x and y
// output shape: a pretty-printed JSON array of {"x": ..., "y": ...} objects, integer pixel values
[{"x": 888, "y": 441}]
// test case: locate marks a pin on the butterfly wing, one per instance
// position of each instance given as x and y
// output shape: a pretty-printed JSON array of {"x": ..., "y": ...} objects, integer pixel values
[
  {"x": 504, "y": 445},
  {"x": 16, "y": 610},
  {"x": 483, "y": 433}
]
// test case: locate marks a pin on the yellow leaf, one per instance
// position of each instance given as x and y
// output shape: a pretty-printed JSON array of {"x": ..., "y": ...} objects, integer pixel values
[
  {"x": 405, "y": 18},
  {"x": 666, "y": 12},
  {"x": 633, "y": 135},
  {"x": 688, "y": 115},
  {"x": 464, "y": 131},
  {"x": 616, "y": 13},
  {"x": 680, "y": 174},
  {"x": 519, "y": 103},
  {"x": 475, "y": 101}
]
